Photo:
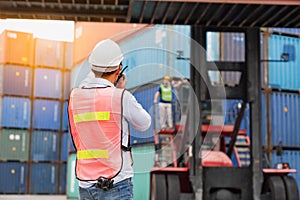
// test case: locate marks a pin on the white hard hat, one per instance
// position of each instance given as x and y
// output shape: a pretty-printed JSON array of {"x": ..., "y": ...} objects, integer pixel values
[{"x": 106, "y": 56}]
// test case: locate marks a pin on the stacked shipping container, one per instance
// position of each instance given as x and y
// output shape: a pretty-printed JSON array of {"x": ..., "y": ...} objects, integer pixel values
[
  {"x": 33, "y": 94},
  {"x": 281, "y": 97}
]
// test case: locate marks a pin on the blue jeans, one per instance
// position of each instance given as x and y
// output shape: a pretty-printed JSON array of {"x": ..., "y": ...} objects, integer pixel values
[{"x": 122, "y": 190}]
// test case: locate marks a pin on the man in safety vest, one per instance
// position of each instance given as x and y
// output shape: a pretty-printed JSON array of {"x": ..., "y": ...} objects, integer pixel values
[
  {"x": 164, "y": 93},
  {"x": 99, "y": 116}
]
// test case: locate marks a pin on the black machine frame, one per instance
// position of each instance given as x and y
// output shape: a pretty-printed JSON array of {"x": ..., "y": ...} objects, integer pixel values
[{"x": 249, "y": 179}]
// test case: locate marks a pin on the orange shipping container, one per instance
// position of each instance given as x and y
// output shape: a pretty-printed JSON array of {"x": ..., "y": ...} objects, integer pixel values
[
  {"x": 2, "y": 47},
  {"x": 51, "y": 53},
  {"x": 88, "y": 34},
  {"x": 18, "y": 48}
]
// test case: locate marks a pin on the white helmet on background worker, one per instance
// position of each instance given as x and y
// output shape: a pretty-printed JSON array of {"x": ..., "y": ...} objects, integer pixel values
[{"x": 106, "y": 56}]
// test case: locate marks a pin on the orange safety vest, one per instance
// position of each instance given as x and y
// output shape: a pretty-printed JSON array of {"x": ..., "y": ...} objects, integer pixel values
[{"x": 95, "y": 116}]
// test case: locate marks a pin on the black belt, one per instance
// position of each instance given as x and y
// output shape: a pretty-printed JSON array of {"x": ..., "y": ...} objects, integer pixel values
[{"x": 105, "y": 184}]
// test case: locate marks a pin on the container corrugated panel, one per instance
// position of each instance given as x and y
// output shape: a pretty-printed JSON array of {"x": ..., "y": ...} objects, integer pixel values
[
  {"x": 285, "y": 118},
  {"x": 14, "y": 145},
  {"x": 153, "y": 54},
  {"x": 232, "y": 49},
  {"x": 64, "y": 150},
  {"x": 16, "y": 112},
  {"x": 291, "y": 157},
  {"x": 44, "y": 146},
  {"x": 264, "y": 74},
  {"x": 232, "y": 109},
  {"x": 47, "y": 83},
  {"x": 263, "y": 119},
  {"x": 13, "y": 177},
  {"x": 1, "y": 108},
  {"x": 72, "y": 182},
  {"x": 43, "y": 178},
  {"x": 145, "y": 98},
  {"x": 213, "y": 46},
  {"x": 284, "y": 75},
  {"x": 180, "y": 41},
  {"x": 49, "y": 53},
  {"x": 2, "y": 47},
  {"x": 17, "y": 80},
  {"x": 226, "y": 46},
  {"x": 65, "y": 125},
  {"x": 233, "y": 46},
  {"x": 67, "y": 85},
  {"x": 1, "y": 78},
  {"x": 291, "y": 31},
  {"x": 46, "y": 114},
  {"x": 63, "y": 179},
  {"x": 19, "y": 48},
  {"x": 146, "y": 56},
  {"x": 69, "y": 55}
]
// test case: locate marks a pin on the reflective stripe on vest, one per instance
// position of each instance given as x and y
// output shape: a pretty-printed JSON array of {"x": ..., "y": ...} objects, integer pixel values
[
  {"x": 166, "y": 92},
  {"x": 91, "y": 116},
  {"x": 95, "y": 117}
]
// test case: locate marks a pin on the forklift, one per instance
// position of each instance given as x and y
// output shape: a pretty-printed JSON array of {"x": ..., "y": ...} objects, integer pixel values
[{"x": 209, "y": 160}]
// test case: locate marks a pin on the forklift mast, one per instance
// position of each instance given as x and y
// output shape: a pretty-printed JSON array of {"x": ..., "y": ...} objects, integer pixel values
[{"x": 248, "y": 179}]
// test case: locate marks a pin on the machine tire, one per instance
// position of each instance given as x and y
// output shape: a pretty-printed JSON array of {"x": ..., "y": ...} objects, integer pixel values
[
  {"x": 173, "y": 187},
  {"x": 158, "y": 187},
  {"x": 291, "y": 188},
  {"x": 274, "y": 185}
]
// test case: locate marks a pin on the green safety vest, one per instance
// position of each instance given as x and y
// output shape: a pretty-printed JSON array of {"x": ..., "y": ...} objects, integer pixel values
[{"x": 166, "y": 93}]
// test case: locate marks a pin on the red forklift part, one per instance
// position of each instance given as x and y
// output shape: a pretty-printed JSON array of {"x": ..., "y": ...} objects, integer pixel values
[
  {"x": 278, "y": 171},
  {"x": 215, "y": 159},
  {"x": 226, "y": 130}
]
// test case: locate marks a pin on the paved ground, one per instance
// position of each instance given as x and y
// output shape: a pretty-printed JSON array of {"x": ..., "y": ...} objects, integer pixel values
[{"x": 33, "y": 197}]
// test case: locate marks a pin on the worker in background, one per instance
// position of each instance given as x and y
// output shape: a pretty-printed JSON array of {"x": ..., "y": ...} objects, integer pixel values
[
  {"x": 165, "y": 96},
  {"x": 99, "y": 115}
]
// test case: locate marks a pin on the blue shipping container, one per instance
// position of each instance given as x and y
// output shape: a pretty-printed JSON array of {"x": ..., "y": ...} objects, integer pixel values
[
  {"x": 264, "y": 119},
  {"x": 284, "y": 118},
  {"x": 65, "y": 122},
  {"x": 17, "y": 80},
  {"x": 291, "y": 31},
  {"x": 64, "y": 150},
  {"x": 43, "y": 178},
  {"x": 284, "y": 75},
  {"x": 48, "y": 83},
  {"x": 63, "y": 179},
  {"x": 16, "y": 112},
  {"x": 232, "y": 109},
  {"x": 145, "y": 98},
  {"x": 46, "y": 114},
  {"x": 44, "y": 146},
  {"x": 153, "y": 53},
  {"x": 13, "y": 177}
]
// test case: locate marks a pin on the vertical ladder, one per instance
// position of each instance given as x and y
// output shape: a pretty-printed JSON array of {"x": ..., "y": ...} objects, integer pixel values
[
  {"x": 242, "y": 150},
  {"x": 165, "y": 153}
]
